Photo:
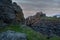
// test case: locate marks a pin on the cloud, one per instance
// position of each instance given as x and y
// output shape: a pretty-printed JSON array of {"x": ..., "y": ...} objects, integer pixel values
[{"x": 30, "y": 7}]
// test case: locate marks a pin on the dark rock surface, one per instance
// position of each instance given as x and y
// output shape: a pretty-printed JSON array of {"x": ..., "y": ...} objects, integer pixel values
[
  {"x": 19, "y": 13},
  {"x": 12, "y": 35},
  {"x": 44, "y": 25},
  {"x": 6, "y": 12},
  {"x": 9, "y": 12}
]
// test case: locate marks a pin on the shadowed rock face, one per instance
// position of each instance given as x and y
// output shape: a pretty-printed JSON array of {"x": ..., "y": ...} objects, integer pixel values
[
  {"x": 19, "y": 13},
  {"x": 7, "y": 13},
  {"x": 6, "y": 1},
  {"x": 44, "y": 25},
  {"x": 12, "y": 35},
  {"x": 10, "y": 12}
]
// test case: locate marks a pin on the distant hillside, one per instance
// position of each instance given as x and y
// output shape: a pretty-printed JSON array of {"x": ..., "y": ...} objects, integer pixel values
[
  {"x": 46, "y": 25},
  {"x": 58, "y": 15}
]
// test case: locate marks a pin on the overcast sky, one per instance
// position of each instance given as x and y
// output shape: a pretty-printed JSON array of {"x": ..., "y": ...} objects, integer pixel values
[{"x": 30, "y": 7}]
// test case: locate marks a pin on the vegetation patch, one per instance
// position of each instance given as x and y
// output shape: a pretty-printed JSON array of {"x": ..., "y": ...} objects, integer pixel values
[{"x": 31, "y": 34}]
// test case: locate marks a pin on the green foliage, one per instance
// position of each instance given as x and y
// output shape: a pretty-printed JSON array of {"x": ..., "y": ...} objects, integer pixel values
[
  {"x": 50, "y": 18},
  {"x": 31, "y": 34}
]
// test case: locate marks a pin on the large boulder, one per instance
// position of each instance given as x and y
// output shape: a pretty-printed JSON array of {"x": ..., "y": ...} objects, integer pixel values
[
  {"x": 7, "y": 13},
  {"x": 10, "y": 13},
  {"x": 6, "y": 1},
  {"x": 12, "y": 35}
]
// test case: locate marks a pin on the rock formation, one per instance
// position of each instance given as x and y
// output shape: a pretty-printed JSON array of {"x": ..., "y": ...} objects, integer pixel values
[
  {"x": 10, "y": 12},
  {"x": 19, "y": 13},
  {"x": 40, "y": 14},
  {"x": 35, "y": 18},
  {"x": 44, "y": 24},
  {"x": 7, "y": 13}
]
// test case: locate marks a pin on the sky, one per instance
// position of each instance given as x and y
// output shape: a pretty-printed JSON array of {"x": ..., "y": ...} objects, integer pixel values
[{"x": 30, "y": 7}]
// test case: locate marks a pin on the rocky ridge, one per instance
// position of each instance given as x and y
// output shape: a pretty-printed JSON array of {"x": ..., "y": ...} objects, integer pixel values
[{"x": 44, "y": 25}]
